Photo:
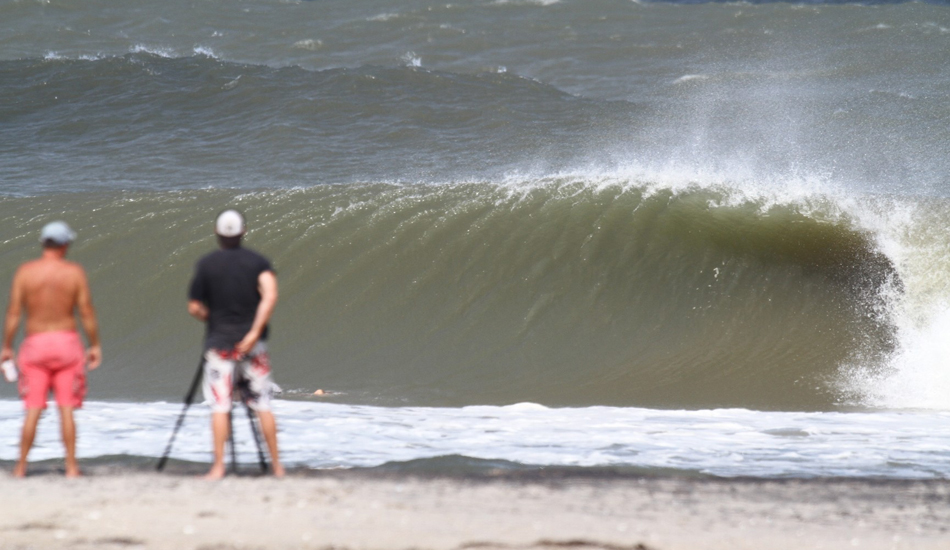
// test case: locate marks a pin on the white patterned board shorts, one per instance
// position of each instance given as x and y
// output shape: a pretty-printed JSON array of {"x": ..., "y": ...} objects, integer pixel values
[{"x": 225, "y": 372}]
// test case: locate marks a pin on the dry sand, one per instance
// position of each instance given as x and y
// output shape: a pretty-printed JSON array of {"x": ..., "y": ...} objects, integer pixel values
[{"x": 366, "y": 510}]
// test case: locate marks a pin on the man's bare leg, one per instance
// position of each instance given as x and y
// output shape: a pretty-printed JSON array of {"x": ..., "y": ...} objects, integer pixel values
[
  {"x": 30, "y": 421},
  {"x": 269, "y": 429},
  {"x": 68, "y": 427},
  {"x": 220, "y": 430}
]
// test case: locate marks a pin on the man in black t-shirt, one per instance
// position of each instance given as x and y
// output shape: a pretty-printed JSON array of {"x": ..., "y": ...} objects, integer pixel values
[{"x": 234, "y": 291}]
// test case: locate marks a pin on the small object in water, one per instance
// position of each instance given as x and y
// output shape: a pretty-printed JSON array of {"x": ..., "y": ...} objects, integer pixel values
[
  {"x": 319, "y": 392},
  {"x": 9, "y": 370}
]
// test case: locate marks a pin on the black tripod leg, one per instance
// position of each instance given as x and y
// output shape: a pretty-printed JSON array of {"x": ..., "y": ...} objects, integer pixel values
[
  {"x": 234, "y": 462},
  {"x": 252, "y": 420},
  {"x": 189, "y": 397},
  {"x": 257, "y": 440}
]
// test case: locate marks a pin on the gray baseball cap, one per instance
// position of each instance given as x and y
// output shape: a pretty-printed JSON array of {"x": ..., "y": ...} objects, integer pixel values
[{"x": 58, "y": 232}]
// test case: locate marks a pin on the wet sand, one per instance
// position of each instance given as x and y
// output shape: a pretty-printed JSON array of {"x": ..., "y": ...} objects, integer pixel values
[{"x": 383, "y": 510}]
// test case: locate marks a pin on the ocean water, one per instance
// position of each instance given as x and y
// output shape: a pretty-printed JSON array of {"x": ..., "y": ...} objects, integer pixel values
[{"x": 697, "y": 236}]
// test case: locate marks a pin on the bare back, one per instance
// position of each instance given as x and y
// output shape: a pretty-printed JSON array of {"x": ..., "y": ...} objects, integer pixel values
[{"x": 49, "y": 290}]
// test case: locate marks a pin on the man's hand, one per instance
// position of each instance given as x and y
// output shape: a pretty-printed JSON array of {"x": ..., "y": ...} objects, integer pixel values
[
  {"x": 6, "y": 354},
  {"x": 247, "y": 343},
  {"x": 93, "y": 357}
]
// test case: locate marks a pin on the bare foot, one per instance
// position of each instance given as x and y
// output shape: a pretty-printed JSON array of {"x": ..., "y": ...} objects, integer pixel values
[
  {"x": 278, "y": 470},
  {"x": 73, "y": 472},
  {"x": 19, "y": 470},
  {"x": 216, "y": 472}
]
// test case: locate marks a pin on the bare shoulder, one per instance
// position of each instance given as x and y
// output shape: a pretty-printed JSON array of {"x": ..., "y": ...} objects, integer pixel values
[
  {"x": 27, "y": 268},
  {"x": 76, "y": 267},
  {"x": 30, "y": 264},
  {"x": 75, "y": 270},
  {"x": 62, "y": 270}
]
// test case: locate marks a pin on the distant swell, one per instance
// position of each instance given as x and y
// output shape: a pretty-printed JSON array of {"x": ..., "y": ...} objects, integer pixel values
[
  {"x": 147, "y": 121},
  {"x": 561, "y": 292}
]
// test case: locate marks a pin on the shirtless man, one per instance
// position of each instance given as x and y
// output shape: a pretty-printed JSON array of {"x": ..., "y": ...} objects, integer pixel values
[{"x": 51, "y": 356}]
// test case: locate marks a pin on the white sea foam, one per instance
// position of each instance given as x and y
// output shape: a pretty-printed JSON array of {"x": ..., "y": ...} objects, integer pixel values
[
  {"x": 309, "y": 44},
  {"x": 727, "y": 442},
  {"x": 878, "y": 27},
  {"x": 931, "y": 26},
  {"x": 528, "y": 2},
  {"x": 411, "y": 59},
  {"x": 918, "y": 374},
  {"x": 161, "y": 52},
  {"x": 383, "y": 17},
  {"x": 232, "y": 84},
  {"x": 690, "y": 78},
  {"x": 914, "y": 237},
  {"x": 205, "y": 51}
]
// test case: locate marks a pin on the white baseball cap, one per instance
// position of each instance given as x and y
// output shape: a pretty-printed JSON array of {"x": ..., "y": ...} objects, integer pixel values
[
  {"x": 230, "y": 223},
  {"x": 58, "y": 232}
]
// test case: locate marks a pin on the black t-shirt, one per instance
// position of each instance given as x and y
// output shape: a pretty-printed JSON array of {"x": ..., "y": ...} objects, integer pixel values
[{"x": 226, "y": 281}]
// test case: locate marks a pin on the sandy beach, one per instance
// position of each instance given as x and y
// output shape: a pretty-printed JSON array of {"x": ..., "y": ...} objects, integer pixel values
[{"x": 541, "y": 510}]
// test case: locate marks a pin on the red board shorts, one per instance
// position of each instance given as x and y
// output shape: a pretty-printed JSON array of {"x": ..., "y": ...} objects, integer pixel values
[
  {"x": 52, "y": 361},
  {"x": 251, "y": 374}
]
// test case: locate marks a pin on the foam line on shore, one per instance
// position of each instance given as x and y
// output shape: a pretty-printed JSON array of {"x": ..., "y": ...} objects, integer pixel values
[{"x": 723, "y": 442}]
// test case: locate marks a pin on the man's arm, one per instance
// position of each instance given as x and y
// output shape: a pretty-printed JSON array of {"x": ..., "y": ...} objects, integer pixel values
[
  {"x": 12, "y": 321},
  {"x": 267, "y": 286},
  {"x": 198, "y": 310},
  {"x": 197, "y": 295},
  {"x": 87, "y": 315}
]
